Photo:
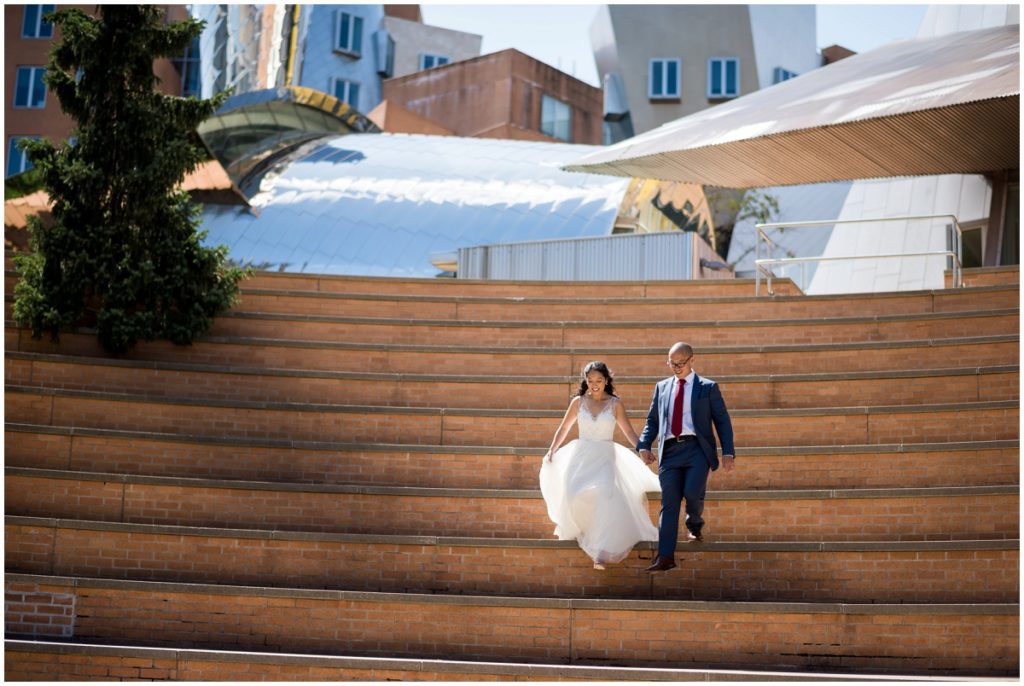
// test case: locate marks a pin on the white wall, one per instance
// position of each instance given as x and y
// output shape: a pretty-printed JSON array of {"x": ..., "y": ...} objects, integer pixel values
[
  {"x": 940, "y": 20},
  {"x": 965, "y": 196},
  {"x": 784, "y": 36}
]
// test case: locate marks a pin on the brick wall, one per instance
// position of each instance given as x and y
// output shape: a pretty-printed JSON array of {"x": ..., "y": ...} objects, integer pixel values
[{"x": 39, "y": 611}]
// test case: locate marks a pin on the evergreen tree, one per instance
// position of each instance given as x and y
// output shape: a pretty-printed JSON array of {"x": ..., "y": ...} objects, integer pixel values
[{"x": 123, "y": 252}]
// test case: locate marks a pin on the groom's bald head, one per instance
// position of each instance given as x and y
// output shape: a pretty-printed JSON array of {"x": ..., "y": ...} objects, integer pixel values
[{"x": 680, "y": 347}]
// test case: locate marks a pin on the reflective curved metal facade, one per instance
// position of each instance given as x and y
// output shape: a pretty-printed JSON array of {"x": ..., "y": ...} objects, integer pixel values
[
  {"x": 382, "y": 204},
  {"x": 251, "y": 129}
]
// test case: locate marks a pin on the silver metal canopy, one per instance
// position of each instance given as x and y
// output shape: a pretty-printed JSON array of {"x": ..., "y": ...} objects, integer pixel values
[{"x": 919, "y": 107}]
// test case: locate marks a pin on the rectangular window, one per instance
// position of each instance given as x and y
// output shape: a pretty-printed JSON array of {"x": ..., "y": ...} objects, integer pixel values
[
  {"x": 663, "y": 81},
  {"x": 346, "y": 91},
  {"x": 430, "y": 61},
  {"x": 723, "y": 77},
  {"x": 17, "y": 160},
  {"x": 348, "y": 34},
  {"x": 188, "y": 68},
  {"x": 29, "y": 89},
  {"x": 780, "y": 75},
  {"x": 32, "y": 24},
  {"x": 555, "y": 118}
]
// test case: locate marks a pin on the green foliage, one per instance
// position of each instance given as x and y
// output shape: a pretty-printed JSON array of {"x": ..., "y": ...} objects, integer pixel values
[
  {"x": 736, "y": 206},
  {"x": 20, "y": 185},
  {"x": 123, "y": 252}
]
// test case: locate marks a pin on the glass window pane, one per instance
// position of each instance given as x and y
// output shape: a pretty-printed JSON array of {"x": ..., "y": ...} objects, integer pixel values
[
  {"x": 564, "y": 129},
  {"x": 656, "y": 78},
  {"x": 716, "y": 77},
  {"x": 22, "y": 87},
  {"x": 30, "y": 21},
  {"x": 13, "y": 157},
  {"x": 357, "y": 34},
  {"x": 45, "y": 28},
  {"x": 353, "y": 94},
  {"x": 731, "y": 85},
  {"x": 671, "y": 78},
  {"x": 343, "y": 32},
  {"x": 442, "y": 60},
  {"x": 38, "y": 87}
]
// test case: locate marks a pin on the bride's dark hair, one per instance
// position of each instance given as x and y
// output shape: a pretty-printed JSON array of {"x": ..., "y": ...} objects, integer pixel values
[{"x": 601, "y": 368}]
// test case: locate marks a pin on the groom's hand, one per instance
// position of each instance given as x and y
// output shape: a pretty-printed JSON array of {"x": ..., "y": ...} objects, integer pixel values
[
  {"x": 728, "y": 462},
  {"x": 647, "y": 456}
]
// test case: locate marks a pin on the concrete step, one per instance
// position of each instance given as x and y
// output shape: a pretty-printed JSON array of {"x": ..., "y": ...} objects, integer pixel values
[
  {"x": 371, "y": 285},
  {"x": 904, "y": 514},
  {"x": 492, "y": 288},
  {"x": 53, "y": 660},
  {"x": 973, "y": 421},
  {"x": 753, "y": 391},
  {"x": 974, "y": 351},
  {"x": 572, "y": 307},
  {"x": 434, "y": 466},
  {"x": 947, "y": 639},
  {"x": 786, "y": 571},
  {"x": 659, "y": 333}
]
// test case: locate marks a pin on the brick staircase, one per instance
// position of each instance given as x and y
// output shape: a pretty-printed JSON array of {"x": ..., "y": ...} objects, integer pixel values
[{"x": 340, "y": 482}]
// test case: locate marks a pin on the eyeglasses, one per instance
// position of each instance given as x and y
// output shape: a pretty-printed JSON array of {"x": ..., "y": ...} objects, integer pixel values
[{"x": 678, "y": 365}]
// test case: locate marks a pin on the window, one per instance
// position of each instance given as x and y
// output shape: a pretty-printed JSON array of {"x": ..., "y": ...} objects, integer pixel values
[
  {"x": 555, "y": 118},
  {"x": 29, "y": 89},
  {"x": 384, "y": 51},
  {"x": 429, "y": 61},
  {"x": 32, "y": 24},
  {"x": 348, "y": 33},
  {"x": 188, "y": 68},
  {"x": 17, "y": 160},
  {"x": 663, "y": 81},
  {"x": 723, "y": 77},
  {"x": 346, "y": 91},
  {"x": 780, "y": 75}
]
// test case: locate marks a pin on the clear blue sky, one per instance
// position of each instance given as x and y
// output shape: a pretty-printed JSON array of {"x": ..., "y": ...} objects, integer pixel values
[{"x": 560, "y": 34}]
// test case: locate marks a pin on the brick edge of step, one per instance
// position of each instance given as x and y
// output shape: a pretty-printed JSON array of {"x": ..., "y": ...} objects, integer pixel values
[
  {"x": 890, "y": 609},
  {"x": 392, "y": 540},
  {"x": 162, "y": 365},
  {"x": 335, "y": 446},
  {"x": 533, "y": 494},
  {"x": 511, "y": 669},
  {"x": 476, "y": 412}
]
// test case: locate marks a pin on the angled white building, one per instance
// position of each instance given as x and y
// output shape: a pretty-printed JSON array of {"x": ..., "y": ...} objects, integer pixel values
[{"x": 658, "y": 63}]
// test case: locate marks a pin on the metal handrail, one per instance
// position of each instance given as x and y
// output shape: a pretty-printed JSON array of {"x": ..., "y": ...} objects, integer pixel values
[{"x": 954, "y": 253}]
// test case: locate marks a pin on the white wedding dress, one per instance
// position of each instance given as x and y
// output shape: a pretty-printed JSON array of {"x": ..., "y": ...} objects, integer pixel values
[{"x": 596, "y": 490}]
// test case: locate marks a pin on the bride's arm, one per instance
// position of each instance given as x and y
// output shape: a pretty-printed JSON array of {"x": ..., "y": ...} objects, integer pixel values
[
  {"x": 563, "y": 429},
  {"x": 623, "y": 421}
]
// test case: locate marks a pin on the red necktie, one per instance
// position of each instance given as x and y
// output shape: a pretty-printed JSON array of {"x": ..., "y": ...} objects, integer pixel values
[{"x": 677, "y": 411}]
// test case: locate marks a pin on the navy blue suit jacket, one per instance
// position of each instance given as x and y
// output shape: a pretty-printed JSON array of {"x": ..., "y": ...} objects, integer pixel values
[{"x": 707, "y": 407}]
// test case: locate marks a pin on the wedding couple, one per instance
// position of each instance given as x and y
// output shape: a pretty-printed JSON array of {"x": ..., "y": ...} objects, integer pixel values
[{"x": 595, "y": 489}]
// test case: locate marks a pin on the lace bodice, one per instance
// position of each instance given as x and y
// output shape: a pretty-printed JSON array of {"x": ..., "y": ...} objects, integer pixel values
[{"x": 601, "y": 427}]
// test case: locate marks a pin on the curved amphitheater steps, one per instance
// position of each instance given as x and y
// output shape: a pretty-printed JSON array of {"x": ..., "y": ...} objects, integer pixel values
[
  {"x": 340, "y": 481},
  {"x": 90, "y": 449}
]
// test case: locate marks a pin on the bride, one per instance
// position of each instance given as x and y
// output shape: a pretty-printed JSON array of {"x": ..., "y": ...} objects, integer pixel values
[{"x": 595, "y": 489}]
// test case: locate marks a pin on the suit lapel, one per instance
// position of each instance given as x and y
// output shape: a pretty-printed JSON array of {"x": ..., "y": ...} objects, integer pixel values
[{"x": 666, "y": 405}]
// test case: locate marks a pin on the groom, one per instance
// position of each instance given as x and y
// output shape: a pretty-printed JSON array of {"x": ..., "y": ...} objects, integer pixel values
[{"x": 682, "y": 411}]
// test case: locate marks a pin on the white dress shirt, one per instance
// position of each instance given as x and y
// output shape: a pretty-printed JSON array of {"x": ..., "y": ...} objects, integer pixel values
[{"x": 687, "y": 414}]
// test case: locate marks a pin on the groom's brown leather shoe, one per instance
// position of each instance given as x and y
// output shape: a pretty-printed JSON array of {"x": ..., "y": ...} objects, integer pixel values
[{"x": 662, "y": 564}]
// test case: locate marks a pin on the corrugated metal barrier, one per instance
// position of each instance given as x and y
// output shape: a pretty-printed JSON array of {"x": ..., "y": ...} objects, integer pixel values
[{"x": 633, "y": 257}]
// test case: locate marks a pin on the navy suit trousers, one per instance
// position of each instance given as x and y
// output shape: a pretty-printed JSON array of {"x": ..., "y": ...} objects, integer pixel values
[{"x": 683, "y": 474}]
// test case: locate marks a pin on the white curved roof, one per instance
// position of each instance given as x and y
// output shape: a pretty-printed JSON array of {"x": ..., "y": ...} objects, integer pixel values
[{"x": 381, "y": 204}]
